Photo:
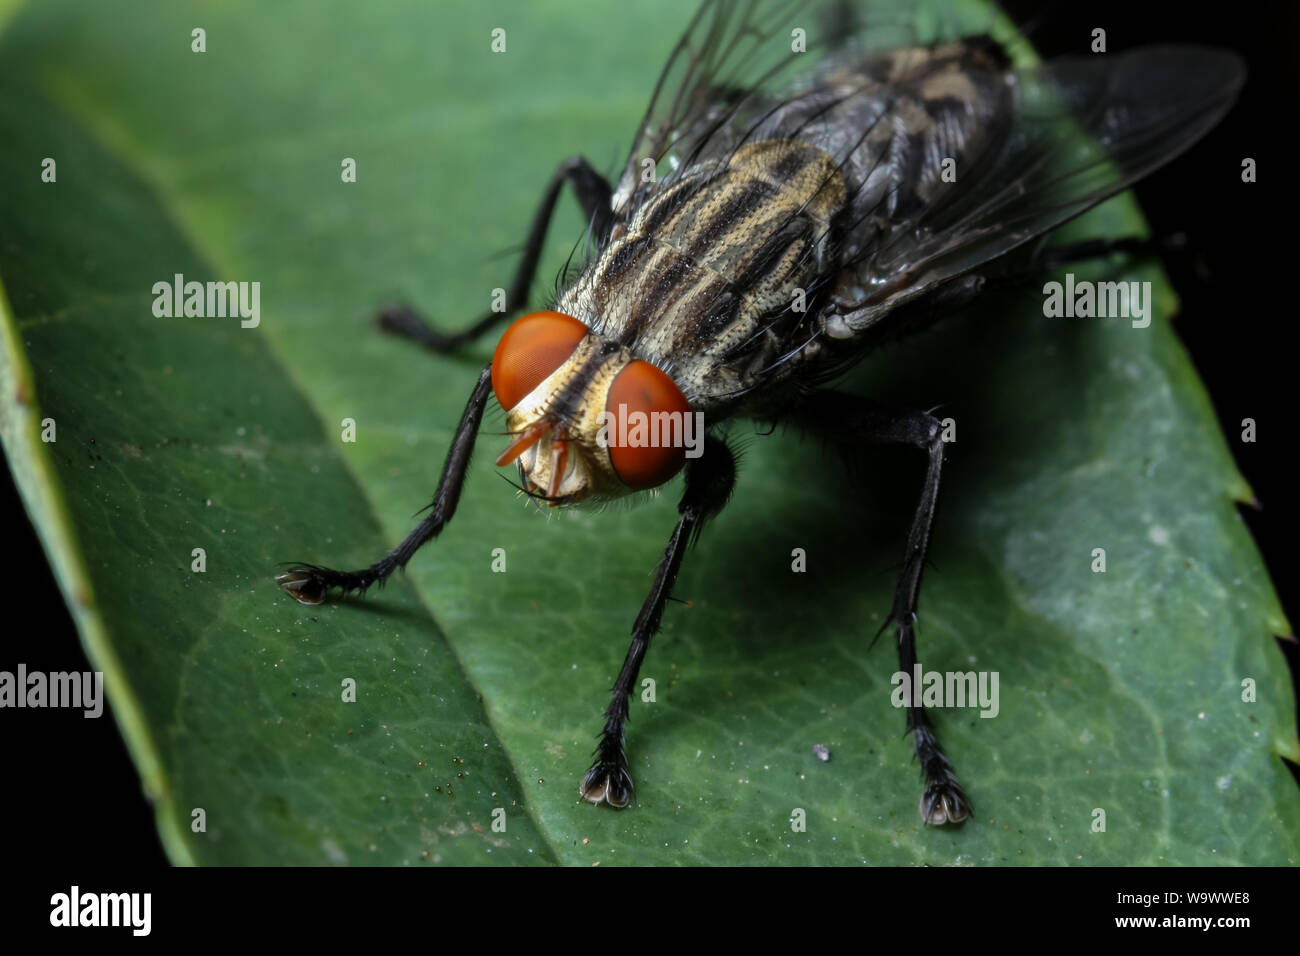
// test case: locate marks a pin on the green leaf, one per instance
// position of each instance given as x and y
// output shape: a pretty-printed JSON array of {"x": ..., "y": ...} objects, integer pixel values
[{"x": 477, "y": 691}]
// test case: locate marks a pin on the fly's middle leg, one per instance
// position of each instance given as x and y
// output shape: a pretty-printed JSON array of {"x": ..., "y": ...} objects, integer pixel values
[
  {"x": 850, "y": 420},
  {"x": 709, "y": 482},
  {"x": 593, "y": 192}
]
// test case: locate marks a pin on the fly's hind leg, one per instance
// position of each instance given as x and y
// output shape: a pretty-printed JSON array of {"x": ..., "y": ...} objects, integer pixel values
[
  {"x": 593, "y": 192},
  {"x": 851, "y": 421},
  {"x": 1025, "y": 268},
  {"x": 709, "y": 482},
  {"x": 1045, "y": 257}
]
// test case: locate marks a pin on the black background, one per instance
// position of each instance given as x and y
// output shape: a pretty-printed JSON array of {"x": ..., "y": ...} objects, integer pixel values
[{"x": 71, "y": 792}]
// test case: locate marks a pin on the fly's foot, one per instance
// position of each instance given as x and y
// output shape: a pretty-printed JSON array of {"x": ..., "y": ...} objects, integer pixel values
[
  {"x": 607, "y": 782},
  {"x": 943, "y": 802},
  {"x": 304, "y": 583},
  {"x": 310, "y": 584}
]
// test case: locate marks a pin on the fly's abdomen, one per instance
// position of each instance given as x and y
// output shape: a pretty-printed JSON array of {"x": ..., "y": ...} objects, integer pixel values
[{"x": 901, "y": 129}]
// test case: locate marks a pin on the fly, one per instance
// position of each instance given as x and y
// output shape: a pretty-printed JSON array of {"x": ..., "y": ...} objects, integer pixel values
[{"x": 805, "y": 215}]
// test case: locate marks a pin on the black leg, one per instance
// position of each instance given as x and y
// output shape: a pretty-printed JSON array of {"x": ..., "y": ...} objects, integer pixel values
[
  {"x": 850, "y": 420},
  {"x": 709, "y": 481},
  {"x": 309, "y": 583},
  {"x": 1053, "y": 257},
  {"x": 593, "y": 192},
  {"x": 1025, "y": 269},
  {"x": 939, "y": 303}
]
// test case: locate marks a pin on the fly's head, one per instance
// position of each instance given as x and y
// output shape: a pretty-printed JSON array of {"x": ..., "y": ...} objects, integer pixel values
[{"x": 574, "y": 401}]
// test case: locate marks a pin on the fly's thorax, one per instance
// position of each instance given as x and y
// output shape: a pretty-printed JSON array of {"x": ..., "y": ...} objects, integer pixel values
[
  {"x": 715, "y": 264},
  {"x": 804, "y": 178}
]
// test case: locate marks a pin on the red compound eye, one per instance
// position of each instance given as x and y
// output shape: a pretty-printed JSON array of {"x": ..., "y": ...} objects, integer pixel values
[
  {"x": 531, "y": 349},
  {"x": 650, "y": 416}
]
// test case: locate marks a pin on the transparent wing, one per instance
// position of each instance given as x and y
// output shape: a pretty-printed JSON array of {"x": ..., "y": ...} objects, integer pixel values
[
  {"x": 735, "y": 57},
  {"x": 1072, "y": 133},
  {"x": 727, "y": 53},
  {"x": 1084, "y": 129}
]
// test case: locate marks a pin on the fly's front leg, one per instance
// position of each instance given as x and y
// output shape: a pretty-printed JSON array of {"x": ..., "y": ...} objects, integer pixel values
[
  {"x": 593, "y": 192},
  {"x": 850, "y": 420},
  {"x": 309, "y": 583},
  {"x": 709, "y": 481}
]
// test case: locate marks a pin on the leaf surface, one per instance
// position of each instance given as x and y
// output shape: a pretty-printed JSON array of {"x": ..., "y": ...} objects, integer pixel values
[{"x": 479, "y": 691}]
